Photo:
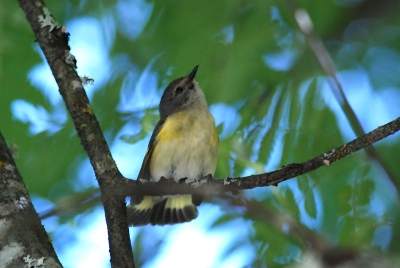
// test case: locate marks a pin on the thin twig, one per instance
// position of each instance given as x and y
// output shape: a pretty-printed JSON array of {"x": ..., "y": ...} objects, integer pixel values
[
  {"x": 215, "y": 187},
  {"x": 328, "y": 66}
]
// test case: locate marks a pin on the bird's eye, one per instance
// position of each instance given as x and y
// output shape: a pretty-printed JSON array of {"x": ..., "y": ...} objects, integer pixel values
[{"x": 179, "y": 90}]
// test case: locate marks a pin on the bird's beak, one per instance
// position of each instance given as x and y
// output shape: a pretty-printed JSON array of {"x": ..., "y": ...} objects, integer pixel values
[{"x": 193, "y": 73}]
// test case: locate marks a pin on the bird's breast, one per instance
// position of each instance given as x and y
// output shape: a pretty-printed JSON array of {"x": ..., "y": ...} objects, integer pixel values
[{"x": 186, "y": 146}]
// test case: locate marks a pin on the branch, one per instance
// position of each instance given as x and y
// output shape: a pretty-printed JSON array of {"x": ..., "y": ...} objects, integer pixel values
[
  {"x": 54, "y": 43},
  {"x": 328, "y": 66},
  {"x": 306, "y": 237},
  {"x": 22, "y": 233},
  {"x": 213, "y": 187}
]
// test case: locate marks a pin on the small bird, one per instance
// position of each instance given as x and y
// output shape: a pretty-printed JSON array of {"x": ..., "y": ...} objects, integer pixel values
[{"x": 184, "y": 144}]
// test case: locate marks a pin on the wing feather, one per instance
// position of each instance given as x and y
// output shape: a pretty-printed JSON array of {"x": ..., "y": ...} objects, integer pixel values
[{"x": 144, "y": 172}]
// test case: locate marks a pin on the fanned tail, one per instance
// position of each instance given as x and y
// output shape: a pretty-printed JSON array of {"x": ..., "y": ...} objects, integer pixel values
[{"x": 170, "y": 210}]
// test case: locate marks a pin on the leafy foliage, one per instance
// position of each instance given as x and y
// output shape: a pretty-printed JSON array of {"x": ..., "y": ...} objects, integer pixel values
[{"x": 253, "y": 60}]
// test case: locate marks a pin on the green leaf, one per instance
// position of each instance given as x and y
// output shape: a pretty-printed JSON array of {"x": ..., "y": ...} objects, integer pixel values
[
  {"x": 343, "y": 199},
  {"x": 291, "y": 204},
  {"x": 309, "y": 204},
  {"x": 347, "y": 230},
  {"x": 303, "y": 184},
  {"x": 223, "y": 219},
  {"x": 365, "y": 190}
]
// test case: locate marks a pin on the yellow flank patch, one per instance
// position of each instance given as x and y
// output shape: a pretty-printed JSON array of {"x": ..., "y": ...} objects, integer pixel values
[{"x": 146, "y": 203}]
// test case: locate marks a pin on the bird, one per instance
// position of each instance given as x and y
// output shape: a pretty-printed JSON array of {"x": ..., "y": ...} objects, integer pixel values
[{"x": 183, "y": 145}]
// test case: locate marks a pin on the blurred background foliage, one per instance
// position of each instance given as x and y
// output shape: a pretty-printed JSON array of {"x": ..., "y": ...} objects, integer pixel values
[{"x": 272, "y": 103}]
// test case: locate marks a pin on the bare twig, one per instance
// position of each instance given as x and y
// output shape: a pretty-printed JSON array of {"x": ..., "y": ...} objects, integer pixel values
[
  {"x": 215, "y": 187},
  {"x": 305, "y": 236},
  {"x": 78, "y": 202},
  {"x": 327, "y": 65}
]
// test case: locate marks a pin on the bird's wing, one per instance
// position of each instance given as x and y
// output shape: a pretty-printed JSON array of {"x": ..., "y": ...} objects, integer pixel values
[{"x": 144, "y": 172}]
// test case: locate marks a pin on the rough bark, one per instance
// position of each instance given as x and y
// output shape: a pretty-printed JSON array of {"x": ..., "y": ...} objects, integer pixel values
[
  {"x": 22, "y": 234},
  {"x": 53, "y": 41}
]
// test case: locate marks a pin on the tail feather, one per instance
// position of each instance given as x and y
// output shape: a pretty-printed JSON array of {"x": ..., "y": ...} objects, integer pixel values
[
  {"x": 180, "y": 215},
  {"x": 157, "y": 213},
  {"x": 139, "y": 214},
  {"x": 171, "y": 210}
]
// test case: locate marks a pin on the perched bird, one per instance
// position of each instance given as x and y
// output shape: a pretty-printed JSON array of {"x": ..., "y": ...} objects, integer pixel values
[{"x": 184, "y": 144}]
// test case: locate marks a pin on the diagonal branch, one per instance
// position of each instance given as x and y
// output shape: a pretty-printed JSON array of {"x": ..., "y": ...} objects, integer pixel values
[
  {"x": 213, "y": 187},
  {"x": 54, "y": 43},
  {"x": 328, "y": 66}
]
